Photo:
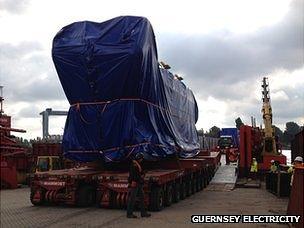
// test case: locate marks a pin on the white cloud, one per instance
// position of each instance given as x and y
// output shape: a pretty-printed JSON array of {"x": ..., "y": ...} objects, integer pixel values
[
  {"x": 211, "y": 111},
  {"x": 43, "y": 19},
  {"x": 280, "y": 96},
  {"x": 282, "y": 78},
  {"x": 12, "y": 6}
]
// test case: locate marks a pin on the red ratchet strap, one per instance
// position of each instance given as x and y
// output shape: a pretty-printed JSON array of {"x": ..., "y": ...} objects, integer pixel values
[
  {"x": 116, "y": 100},
  {"x": 77, "y": 105},
  {"x": 115, "y": 148}
]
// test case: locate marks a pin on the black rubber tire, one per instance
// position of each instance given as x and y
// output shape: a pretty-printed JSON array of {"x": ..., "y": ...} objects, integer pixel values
[
  {"x": 85, "y": 196},
  {"x": 211, "y": 173},
  {"x": 112, "y": 200},
  {"x": 208, "y": 176},
  {"x": 98, "y": 199},
  {"x": 169, "y": 195},
  {"x": 157, "y": 199},
  {"x": 198, "y": 183},
  {"x": 189, "y": 187},
  {"x": 183, "y": 190},
  {"x": 206, "y": 182},
  {"x": 177, "y": 193},
  {"x": 201, "y": 182},
  {"x": 41, "y": 202},
  {"x": 194, "y": 185}
]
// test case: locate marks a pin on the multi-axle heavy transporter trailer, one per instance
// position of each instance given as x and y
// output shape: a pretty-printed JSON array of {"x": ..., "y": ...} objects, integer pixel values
[{"x": 170, "y": 182}]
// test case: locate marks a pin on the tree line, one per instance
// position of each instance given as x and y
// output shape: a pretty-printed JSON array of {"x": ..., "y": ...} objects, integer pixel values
[{"x": 285, "y": 136}]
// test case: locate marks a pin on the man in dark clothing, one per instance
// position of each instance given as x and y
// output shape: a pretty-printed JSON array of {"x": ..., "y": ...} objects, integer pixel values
[{"x": 136, "y": 182}]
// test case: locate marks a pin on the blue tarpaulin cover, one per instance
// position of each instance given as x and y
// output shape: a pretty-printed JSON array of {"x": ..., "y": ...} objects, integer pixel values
[{"x": 122, "y": 101}]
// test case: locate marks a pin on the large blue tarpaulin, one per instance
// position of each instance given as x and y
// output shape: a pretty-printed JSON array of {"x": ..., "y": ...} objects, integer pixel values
[{"x": 122, "y": 101}]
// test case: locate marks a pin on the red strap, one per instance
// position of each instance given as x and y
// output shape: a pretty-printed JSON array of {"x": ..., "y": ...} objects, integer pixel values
[{"x": 124, "y": 99}]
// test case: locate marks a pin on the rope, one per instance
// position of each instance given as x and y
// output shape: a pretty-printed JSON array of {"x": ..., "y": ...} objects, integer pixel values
[
  {"x": 78, "y": 104},
  {"x": 115, "y": 148},
  {"x": 116, "y": 100},
  {"x": 119, "y": 148},
  {"x": 81, "y": 116}
]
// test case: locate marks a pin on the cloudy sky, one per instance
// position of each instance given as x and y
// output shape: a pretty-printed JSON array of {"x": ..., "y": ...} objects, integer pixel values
[{"x": 221, "y": 48}]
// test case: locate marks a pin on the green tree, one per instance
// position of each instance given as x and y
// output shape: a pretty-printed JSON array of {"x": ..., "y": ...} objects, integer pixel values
[
  {"x": 200, "y": 132},
  {"x": 291, "y": 130},
  {"x": 238, "y": 123},
  {"x": 214, "y": 132},
  {"x": 278, "y": 132}
]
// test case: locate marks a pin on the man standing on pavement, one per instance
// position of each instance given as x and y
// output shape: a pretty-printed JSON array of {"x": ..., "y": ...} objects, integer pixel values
[{"x": 136, "y": 182}]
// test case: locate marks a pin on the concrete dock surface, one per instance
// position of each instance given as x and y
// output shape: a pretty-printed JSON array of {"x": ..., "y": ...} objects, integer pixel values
[{"x": 17, "y": 211}]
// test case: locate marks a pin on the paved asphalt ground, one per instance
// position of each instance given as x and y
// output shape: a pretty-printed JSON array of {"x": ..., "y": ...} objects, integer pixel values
[{"x": 17, "y": 211}]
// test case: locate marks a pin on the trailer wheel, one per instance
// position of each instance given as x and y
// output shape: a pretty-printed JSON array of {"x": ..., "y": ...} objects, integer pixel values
[
  {"x": 210, "y": 173},
  {"x": 189, "y": 187},
  {"x": 85, "y": 196},
  {"x": 207, "y": 176},
  {"x": 113, "y": 202},
  {"x": 40, "y": 202},
  {"x": 157, "y": 199},
  {"x": 201, "y": 182},
  {"x": 194, "y": 184},
  {"x": 183, "y": 190},
  {"x": 98, "y": 199},
  {"x": 206, "y": 182},
  {"x": 198, "y": 183},
  {"x": 169, "y": 193},
  {"x": 177, "y": 192}
]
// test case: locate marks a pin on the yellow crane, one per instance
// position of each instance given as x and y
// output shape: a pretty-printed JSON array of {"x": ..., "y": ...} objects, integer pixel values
[{"x": 269, "y": 142}]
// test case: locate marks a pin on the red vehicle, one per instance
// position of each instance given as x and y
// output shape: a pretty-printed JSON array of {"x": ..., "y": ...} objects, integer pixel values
[
  {"x": 49, "y": 155},
  {"x": 165, "y": 182},
  {"x": 13, "y": 156},
  {"x": 251, "y": 146}
]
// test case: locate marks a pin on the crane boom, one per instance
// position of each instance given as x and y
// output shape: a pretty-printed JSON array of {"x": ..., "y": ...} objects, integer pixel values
[{"x": 269, "y": 145}]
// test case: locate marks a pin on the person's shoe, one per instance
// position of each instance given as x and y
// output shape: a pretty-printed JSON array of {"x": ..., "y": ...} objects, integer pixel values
[
  {"x": 131, "y": 216},
  {"x": 146, "y": 215}
]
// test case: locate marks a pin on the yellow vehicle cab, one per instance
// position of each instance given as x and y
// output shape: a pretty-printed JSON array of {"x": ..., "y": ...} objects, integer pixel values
[{"x": 48, "y": 163}]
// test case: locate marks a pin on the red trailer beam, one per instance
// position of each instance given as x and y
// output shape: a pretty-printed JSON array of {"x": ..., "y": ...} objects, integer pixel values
[
  {"x": 12, "y": 129},
  {"x": 10, "y": 155}
]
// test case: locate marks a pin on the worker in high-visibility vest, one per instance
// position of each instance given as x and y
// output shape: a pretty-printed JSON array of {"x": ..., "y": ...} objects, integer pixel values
[
  {"x": 273, "y": 167},
  {"x": 254, "y": 168},
  {"x": 298, "y": 161}
]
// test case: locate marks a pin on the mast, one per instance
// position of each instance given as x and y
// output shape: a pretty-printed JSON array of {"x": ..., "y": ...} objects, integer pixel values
[
  {"x": 1, "y": 100},
  {"x": 268, "y": 131}
]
